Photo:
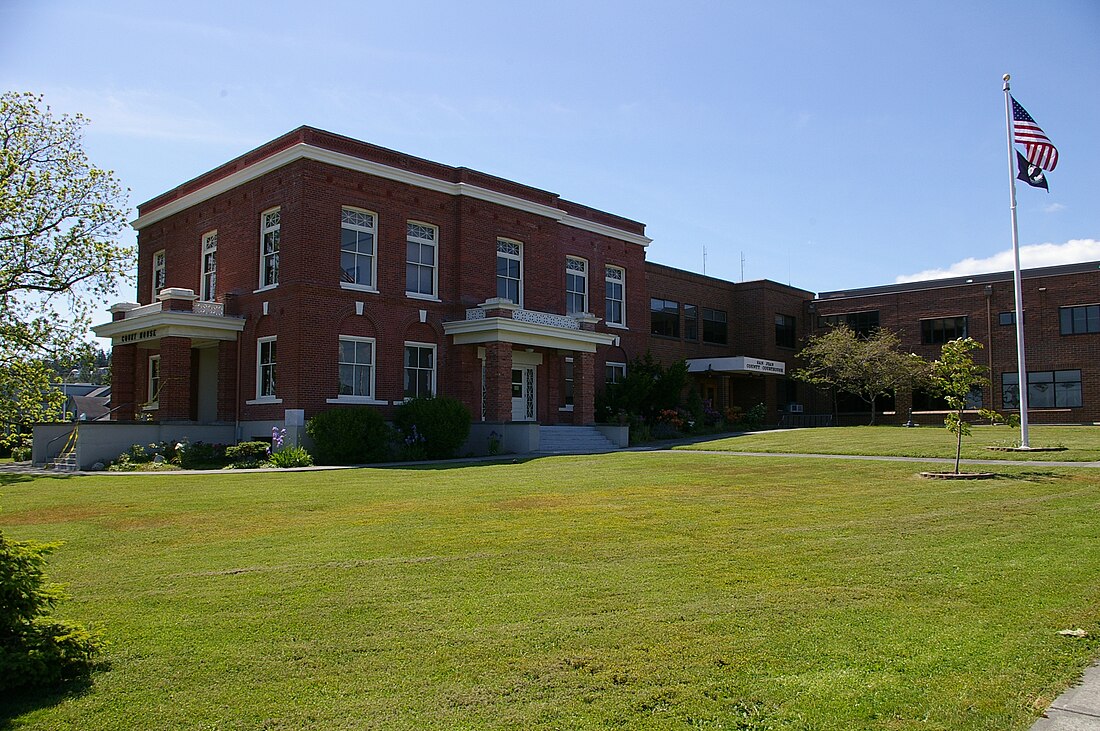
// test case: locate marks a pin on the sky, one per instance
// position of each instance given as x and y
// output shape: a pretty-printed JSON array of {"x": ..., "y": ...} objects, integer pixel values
[{"x": 827, "y": 145}]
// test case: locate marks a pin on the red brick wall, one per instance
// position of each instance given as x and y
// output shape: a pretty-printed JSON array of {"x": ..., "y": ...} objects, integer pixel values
[{"x": 1047, "y": 349}]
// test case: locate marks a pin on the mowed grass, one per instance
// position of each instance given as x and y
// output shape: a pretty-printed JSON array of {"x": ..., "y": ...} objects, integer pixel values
[
  {"x": 625, "y": 591},
  {"x": 928, "y": 440}
]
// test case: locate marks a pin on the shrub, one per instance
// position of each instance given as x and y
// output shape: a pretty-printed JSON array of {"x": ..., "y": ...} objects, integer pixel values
[
  {"x": 442, "y": 424},
  {"x": 291, "y": 457},
  {"x": 201, "y": 455},
  {"x": 34, "y": 649},
  {"x": 356, "y": 435},
  {"x": 247, "y": 454}
]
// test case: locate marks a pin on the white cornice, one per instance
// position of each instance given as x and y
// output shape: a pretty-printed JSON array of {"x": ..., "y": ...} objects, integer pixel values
[
  {"x": 311, "y": 152},
  {"x": 517, "y": 332},
  {"x": 167, "y": 323}
]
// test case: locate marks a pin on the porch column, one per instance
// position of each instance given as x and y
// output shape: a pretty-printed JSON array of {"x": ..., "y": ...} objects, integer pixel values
[
  {"x": 175, "y": 379},
  {"x": 498, "y": 382},
  {"x": 124, "y": 401},
  {"x": 584, "y": 388}
]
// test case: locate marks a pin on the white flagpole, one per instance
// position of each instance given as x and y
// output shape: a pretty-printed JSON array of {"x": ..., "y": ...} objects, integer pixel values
[{"x": 1021, "y": 384}]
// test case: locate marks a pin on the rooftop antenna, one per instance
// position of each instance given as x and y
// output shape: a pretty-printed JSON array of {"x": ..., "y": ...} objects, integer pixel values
[
  {"x": 742, "y": 266},
  {"x": 704, "y": 259}
]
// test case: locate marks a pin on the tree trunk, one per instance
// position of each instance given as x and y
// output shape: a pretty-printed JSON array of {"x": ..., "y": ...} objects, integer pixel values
[
  {"x": 959, "y": 444},
  {"x": 873, "y": 398}
]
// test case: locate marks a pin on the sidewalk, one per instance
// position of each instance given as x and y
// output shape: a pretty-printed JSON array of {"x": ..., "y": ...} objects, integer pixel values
[{"x": 1078, "y": 709}]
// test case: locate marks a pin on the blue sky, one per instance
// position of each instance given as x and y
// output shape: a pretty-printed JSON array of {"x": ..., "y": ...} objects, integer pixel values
[{"x": 831, "y": 144}]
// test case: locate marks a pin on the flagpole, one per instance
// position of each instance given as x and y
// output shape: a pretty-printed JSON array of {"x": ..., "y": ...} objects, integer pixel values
[{"x": 1021, "y": 382}]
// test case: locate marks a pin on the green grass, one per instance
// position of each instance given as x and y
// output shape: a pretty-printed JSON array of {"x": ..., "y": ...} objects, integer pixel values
[
  {"x": 627, "y": 591},
  {"x": 1082, "y": 442}
]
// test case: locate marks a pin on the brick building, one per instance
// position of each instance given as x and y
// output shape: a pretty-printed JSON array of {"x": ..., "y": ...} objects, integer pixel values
[
  {"x": 1061, "y": 334},
  {"x": 738, "y": 338},
  {"x": 317, "y": 271}
]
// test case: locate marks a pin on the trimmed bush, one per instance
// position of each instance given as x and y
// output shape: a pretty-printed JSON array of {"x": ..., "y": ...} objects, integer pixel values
[
  {"x": 247, "y": 452},
  {"x": 437, "y": 424},
  {"x": 356, "y": 435}
]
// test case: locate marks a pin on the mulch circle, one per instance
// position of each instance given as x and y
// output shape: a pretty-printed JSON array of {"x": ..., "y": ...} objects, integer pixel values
[
  {"x": 958, "y": 476},
  {"x": 1026, "y": 449}
]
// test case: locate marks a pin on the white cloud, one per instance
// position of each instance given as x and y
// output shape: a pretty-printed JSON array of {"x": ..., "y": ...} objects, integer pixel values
[
  {"x": 1053, "y": 208},
  {"x": 1035, "y": 255}
]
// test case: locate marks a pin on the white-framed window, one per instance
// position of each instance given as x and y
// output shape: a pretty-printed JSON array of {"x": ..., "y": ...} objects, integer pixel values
[
  {"x": 266, "y": 359},
  {"x": 421, "y": 250},
  {"x": 510, "y": 270},
  {"x": 160, "y": 272},
  {"x": 576, "y": 285},
  {"x": 615, "y": 295},
  {"x": 358, "y": 233},
  {"x": 614, "y": 372},
  {"x": 356, "y": 367},
  {"x": 419, "y": 369},
  {"x": 270, "y": 224},
  {"x": 209, "y": 278},
  {"x": 153, "y": 400}
]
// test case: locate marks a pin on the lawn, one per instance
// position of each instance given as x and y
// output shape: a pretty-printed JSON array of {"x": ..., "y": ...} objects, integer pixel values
[
  {"x": 1082, "y": 442},
  {"x": 624, "y": 591}
]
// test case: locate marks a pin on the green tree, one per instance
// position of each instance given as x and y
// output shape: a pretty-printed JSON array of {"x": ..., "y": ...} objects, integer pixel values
[
  {"x": 647, "y": 389},
  {"x": 36, "y": 650},
  {"x": 868, "y": 367},
  {"x": 954, "y": 376},
  {"x": 59, "y": 218}
]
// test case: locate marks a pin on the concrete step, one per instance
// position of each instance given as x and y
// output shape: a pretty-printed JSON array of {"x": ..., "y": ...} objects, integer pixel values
[
  {"x": 63, "y": 463},
  {"x": 573, "y": 440}
]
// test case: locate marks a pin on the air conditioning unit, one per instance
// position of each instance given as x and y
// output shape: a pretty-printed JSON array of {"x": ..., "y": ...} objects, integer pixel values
[{"x": 794, "y": 408}]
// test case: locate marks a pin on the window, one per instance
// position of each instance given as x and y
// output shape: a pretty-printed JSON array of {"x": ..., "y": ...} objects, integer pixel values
[
  {"x": 615, "y": 295},
  {"x": 1045, "y": 390},
  {"x": 1080, "y": 319},
  {"x": 159, "y": 272},
  {"x": 209, "y": 279},
  {"x": 614, "y": 372},
  {"x": 567, "y": 385},
  {"x": 664, "y": 317},
  {"x": 862, "y": 323},
  {"x": 419, "y": 370},
  {"x": 154, "y": 382},
  {"x": 269, "y": 247},
  {"x": 265, "y": 368},
  {"x": 1008, "y": 318},
  {"x": 942, "y": 330},
  {"x": 357, "y": 235},
  {"x": 510, "y": 270},
  {"x": 356, "y": 367},
  {"x": 420, "y": 259},
  {"x": 785, "y": 331},
  {"x": 576, "y": 286},
  {"x": 929, "y": 401},
  {"x": 691, "y": 322},
  {"x": 714, "y": 326}
]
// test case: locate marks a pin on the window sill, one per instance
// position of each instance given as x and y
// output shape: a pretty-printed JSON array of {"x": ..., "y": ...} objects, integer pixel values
[
  {"x": 358, "y": 287},
  {"x": 568, "y": 407},
  {"x": 364, "y": 400},
  {"x": 424, "y": 297},
  {"x": 264, "y": 400},
  {"x": 265, "y": 288},
  {"x": 151, "y": 407},
  {"x": 616, "y": 325}
]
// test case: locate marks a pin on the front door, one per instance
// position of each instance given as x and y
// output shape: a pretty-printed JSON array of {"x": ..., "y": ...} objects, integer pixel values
[{"x": 523, "y": 393}]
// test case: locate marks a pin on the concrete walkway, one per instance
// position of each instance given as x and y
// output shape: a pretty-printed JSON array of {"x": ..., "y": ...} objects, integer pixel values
[{"x": 1078, "y": 709}]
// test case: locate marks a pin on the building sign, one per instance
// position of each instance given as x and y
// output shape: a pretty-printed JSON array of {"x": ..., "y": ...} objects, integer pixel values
[
  {"x": 137, "y": 337},
  {"x": 759, "y": 365}
]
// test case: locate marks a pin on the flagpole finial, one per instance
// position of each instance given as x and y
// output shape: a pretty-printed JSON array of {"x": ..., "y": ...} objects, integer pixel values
[{"x": 1006, "y": 77}]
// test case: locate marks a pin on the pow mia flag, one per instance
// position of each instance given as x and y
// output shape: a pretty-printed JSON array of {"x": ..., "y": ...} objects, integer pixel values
[{"x": 1031, "y": 174}]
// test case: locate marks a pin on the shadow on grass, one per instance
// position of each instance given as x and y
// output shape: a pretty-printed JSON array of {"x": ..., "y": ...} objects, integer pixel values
[
  {"x": 1032, "y": 476},
  {"x": 14, "y": 478},
  {"x": 454, "y": 464},
  {"x": 19, "y": 702}
]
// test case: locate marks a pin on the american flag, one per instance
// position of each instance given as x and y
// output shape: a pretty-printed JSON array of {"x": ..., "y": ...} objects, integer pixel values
[{"x": 1040, "y": 151}]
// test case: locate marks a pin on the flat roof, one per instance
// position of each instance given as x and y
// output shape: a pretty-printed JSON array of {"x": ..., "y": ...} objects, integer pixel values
[{"x": 1053, "y": 271}]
